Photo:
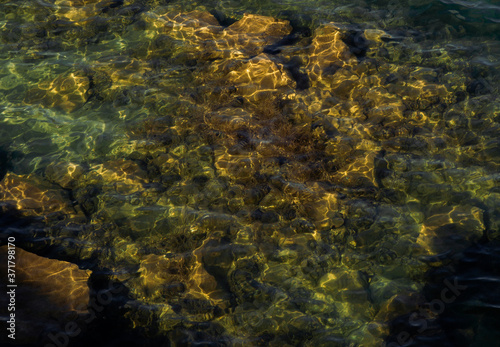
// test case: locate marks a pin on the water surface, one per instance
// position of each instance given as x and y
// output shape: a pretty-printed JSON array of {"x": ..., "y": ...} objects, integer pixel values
[{"x": 259, "y": 173}]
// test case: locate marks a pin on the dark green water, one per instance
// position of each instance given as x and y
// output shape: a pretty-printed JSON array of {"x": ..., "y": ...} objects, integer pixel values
[{"x": 257, "y": 173}]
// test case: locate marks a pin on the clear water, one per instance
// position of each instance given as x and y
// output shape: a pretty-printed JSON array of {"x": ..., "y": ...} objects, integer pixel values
[{"x": 260, "y": 173}]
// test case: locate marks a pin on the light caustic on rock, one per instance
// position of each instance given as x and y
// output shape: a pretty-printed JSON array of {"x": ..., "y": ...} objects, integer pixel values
[{"x": 273, "y": 210}]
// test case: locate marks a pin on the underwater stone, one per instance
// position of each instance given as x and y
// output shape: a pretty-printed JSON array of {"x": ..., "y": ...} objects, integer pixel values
[
  {"x": 123, "y": 74},
  {"x": 421, "y": 95},
  {"x": 383, "y": 289},
  {"x": 144, "y": 218},
  {"x": 158, "y": 271},
  {"x": 274, "y": 200},
  {"x": 8, "y": 82},
  {"x": 193, "y": 19},
  {"x": 372, "y": 334},
  {"x": 259, "y": 75},
  {"x": 376, "y": 35},
  {"x": 379, "y": 95},
  {"x": 354, "y": 296},
  {"x": 192, "y": 26},
  {"x": 301, "y": 226},
  {"x": 269, "y": 217},
  {"x": 33, "y": 196},
  {"x": 230, "y": 118},
  {"x": 122, "y": 175},
  {"x": 343, "y": 83},
  {"x": 246, "y": 37},
  {"x": 360, "y": 173},
  {"x": 51, "y": 294},
  {"x": 451, "y": 229},
  {"x": 491, "y": 152},
  {"x": 67, "y": 91},
  {"x": 64, "y": 174},
  {"x": 399, "y": 304},
  {"x": 201, "y": 284},
  {"x": 328, "y": 49},
  {"x": 384, "y": 107},
  {"x": 217, "y": 256},
  {"x": 257, "y": 24},
  {"x": 305, "y": 324},
  {"x": 330, "y": 339},
  {"x": 215, "y": 221},
  {"x": 314, "y": 267},
  {"x": 237, "y": 167},
  {"x": 425, "y": 74},
  {"x": 77, "y": 11},
  {"x": 236, "y": 204},
  {"x": 342, "y": 279},
  {"x": 253, "y": 32}
]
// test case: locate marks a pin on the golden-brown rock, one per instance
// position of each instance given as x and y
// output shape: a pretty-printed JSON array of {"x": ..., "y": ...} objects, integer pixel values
[
  {"x": 191, "y": 26},
  {"x": 77, "y": 10},
  {"x": 246, "y": 37},
  {"x": 259, "y": 75},
  {"x": 327, "y": 49},
  {"x": 359, "y": 173},
  {"x": 64, "y": 174},
  {"x": 126, "y": 176},
  {"x": 33, "y": 196},
  {"x": 262, "y": 25},
  {"x": 49, "y": 294},
  {"x": 253, "y": 32}
]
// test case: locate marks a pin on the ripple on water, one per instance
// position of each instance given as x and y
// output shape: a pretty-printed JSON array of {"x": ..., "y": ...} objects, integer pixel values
[{"x": 301, "y": 174}]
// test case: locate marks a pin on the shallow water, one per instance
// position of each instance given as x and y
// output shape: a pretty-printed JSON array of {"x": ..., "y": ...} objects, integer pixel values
[{"x": 282, "y": 173}]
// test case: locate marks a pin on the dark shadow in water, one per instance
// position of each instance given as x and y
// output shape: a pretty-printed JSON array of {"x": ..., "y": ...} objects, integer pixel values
[
  {"x": 463, "y": 304},
  {"x": 12, "y": 223},
  {"x": 112, "y": 326},
  {"x": 301, "y": 28},
  {"x": 4, "y": 162},
  {"x": 7, "y": 160},
  {"x": 293, "y": 66},
  {"x": 221, "y": 17}
]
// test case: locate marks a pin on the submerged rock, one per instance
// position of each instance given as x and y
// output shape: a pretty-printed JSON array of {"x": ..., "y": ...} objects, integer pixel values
[
  {"x": 259, "y": 76},
  {"x": 199, "y": 29},
  {"x": 261, "y": 25},
  {"x": 77, "y": 10},
  {"x": 124, "y": 176},
  {"x": 451, "y": 229},
  {"x": 328, "y": 50},
  {"x": 190, "y": 26},
  {"x": 253, "y": 32},
  {"x": 68, "y": 92},
  {"x": 360, "y": 173},
  {"x": 229, "y": 119},
  {"x": 238, "y": 167},
  {"x": 376, "y": 35},
  {"x": 399, "y": 304},
  {"x": 161, "y": 276},
  {"x": 33, "y": 196},
  {"x": 64, "y": 174},
  {"x": 50, "y": 295}
]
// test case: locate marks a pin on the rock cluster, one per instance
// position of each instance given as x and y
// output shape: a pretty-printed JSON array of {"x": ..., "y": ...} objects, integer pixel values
[{"x": 285, "y": 196}]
